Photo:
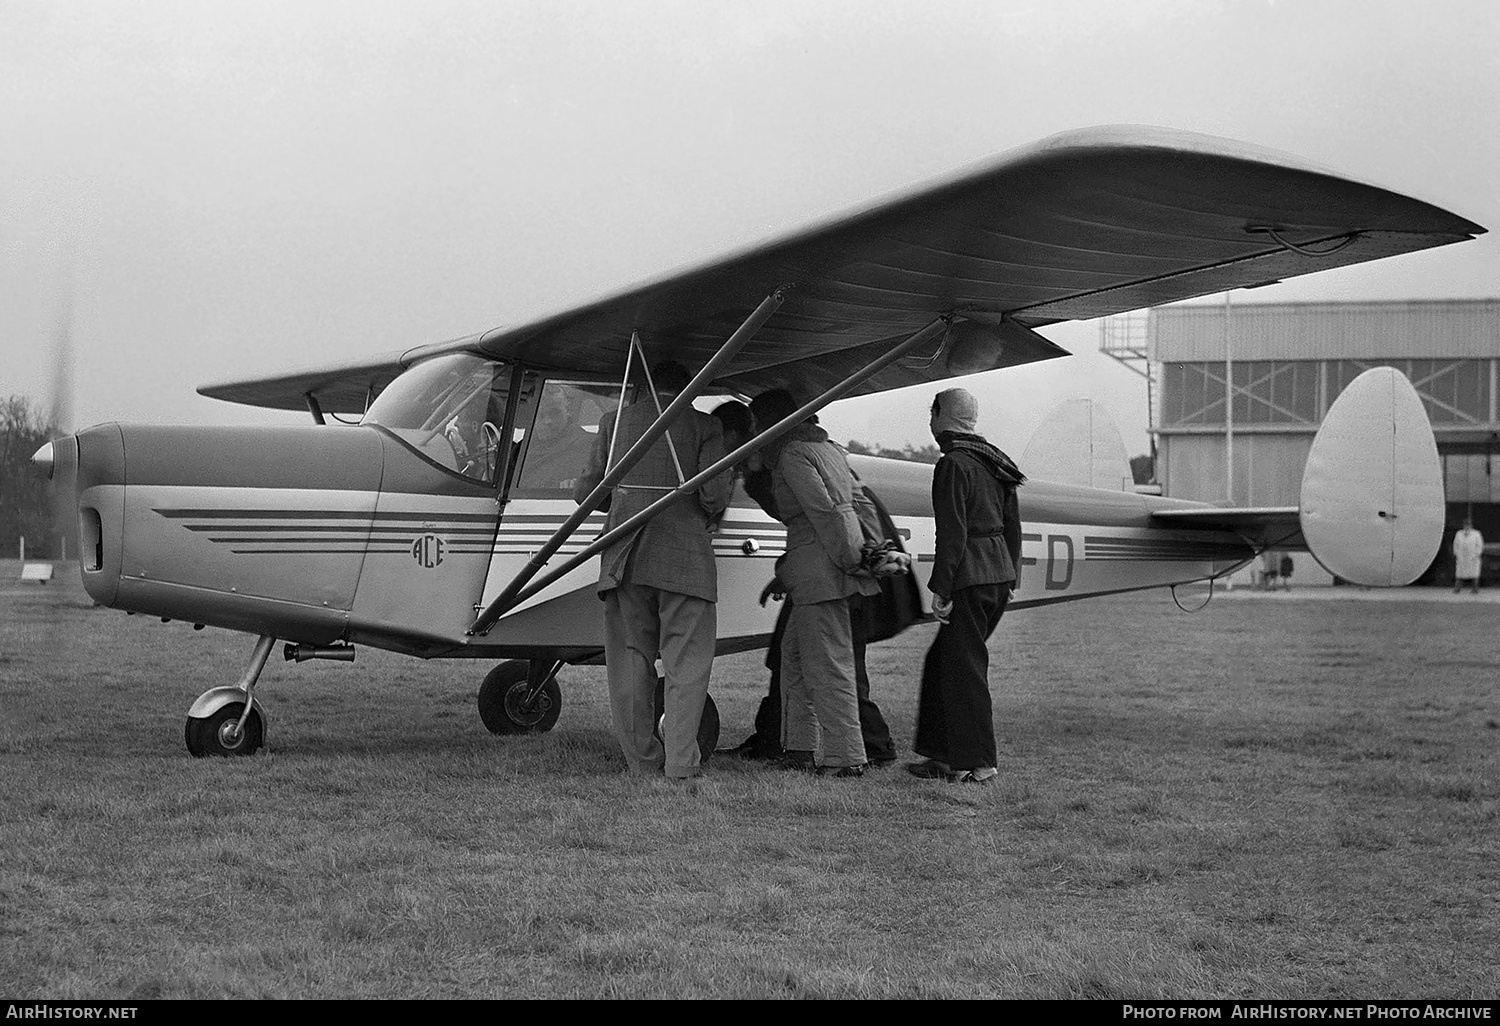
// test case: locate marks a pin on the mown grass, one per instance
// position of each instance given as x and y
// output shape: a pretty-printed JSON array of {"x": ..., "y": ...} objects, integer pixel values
[{"x": 1265, "y": 799}]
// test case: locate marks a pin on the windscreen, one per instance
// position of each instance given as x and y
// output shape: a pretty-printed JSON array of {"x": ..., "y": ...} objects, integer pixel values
[{"x": 450, "y": 409}]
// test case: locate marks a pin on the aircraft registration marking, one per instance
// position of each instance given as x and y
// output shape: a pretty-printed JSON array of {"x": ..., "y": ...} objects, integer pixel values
[{"x": 1063, "y": 558}]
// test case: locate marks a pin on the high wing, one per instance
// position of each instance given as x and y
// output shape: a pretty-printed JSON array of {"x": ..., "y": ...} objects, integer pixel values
[
  {"x": 335, "y": 388},
  {"x": 1080, "y": 225}
]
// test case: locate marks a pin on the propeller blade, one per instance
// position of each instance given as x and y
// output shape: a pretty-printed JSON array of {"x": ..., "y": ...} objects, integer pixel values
[{"x": 63, "y": 528}]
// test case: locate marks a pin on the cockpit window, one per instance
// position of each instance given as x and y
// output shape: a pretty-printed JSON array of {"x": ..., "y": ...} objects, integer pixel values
[
  {"x": 567, "y": 424},
  {"x": 450, "y": 409}
]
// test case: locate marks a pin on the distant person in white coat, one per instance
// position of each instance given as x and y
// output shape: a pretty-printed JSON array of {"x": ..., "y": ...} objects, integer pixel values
[{"x": 1468, "y": 548}]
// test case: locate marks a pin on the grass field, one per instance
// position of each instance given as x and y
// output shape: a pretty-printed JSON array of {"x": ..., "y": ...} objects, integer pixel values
[{"x": 1270, "y": 798}]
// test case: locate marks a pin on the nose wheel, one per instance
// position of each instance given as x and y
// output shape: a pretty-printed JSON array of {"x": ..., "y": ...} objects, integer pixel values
[
  {"x": 221, "y": 733},
  {"x": 228, "y": 720}
]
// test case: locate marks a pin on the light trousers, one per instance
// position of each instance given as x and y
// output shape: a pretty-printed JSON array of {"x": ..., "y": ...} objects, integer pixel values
[
  {"x": 819, "y": 703},
  {"x": 640, "y": 624}
]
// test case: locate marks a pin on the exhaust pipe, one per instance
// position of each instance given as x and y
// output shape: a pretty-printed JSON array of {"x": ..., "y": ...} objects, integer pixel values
[{"x": 302, "y": 653}]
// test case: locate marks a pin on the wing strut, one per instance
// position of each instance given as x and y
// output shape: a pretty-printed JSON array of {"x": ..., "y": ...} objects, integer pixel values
[
  {"x": 637, "y": 351},
  {"x": 516, "y": 592},
  {"x": 656, "y": 401},
  {"x": 508, "y": 597}
]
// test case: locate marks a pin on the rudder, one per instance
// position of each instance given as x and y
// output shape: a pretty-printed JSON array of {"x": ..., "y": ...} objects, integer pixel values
[{"x": 1372, "y": 493}]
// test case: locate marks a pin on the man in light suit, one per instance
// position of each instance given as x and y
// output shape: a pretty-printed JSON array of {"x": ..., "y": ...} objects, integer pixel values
[{"x": 660, "y": 585}]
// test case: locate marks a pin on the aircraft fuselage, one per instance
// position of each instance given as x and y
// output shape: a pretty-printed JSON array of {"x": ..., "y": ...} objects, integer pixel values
[{"x": 320, "y": 535}]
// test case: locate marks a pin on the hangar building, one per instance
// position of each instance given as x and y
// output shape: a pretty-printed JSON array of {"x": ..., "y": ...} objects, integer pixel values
[{"x": 1287, "y": 363}]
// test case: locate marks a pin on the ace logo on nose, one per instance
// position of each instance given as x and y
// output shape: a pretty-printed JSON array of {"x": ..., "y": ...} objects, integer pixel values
[{"x": 428, "y": 550}]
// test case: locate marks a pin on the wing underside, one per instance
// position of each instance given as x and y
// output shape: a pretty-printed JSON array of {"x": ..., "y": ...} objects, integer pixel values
[{"x": 1078, "y": 226}]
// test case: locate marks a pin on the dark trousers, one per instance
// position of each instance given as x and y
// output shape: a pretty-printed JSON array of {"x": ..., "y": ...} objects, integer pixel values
[
  {"x": 767, "y": 736},
  {"x": 955, "y": 720}
]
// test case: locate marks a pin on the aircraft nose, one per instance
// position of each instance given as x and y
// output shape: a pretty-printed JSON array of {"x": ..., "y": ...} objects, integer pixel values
[{"x": 45, "y": 457}]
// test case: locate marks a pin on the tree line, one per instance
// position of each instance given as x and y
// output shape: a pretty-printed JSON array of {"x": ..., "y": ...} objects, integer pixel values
[
  {"x": 912, "y": 453},
  {"x": 25, "y": 492}
]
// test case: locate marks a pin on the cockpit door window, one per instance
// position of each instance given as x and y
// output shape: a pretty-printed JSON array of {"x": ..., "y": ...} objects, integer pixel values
[{"x": 563, "y": 434}]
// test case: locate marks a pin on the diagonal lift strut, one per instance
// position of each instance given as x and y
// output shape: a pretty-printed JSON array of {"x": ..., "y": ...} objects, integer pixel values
[
  {"x": 517, "y": 590},
  {"x": 509, "y": 596}
]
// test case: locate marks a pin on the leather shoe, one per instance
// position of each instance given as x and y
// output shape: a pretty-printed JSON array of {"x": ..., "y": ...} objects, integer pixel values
[
  {"x": 929, "y": 769},
  {"x": 970, "y": 777},
  {"x": 751, "y": 749},
  {"x": 839, "y": 771},
  {"x": 795, "y": 760}
]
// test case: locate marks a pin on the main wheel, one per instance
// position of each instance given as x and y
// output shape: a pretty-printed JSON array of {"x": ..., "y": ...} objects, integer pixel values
[
  {"x": 503, "y": 706},
  {"x": 708, "y": 724},
  {"x": 216, "y": 734}
]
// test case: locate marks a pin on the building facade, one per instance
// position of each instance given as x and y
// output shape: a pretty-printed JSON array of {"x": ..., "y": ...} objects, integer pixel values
[{"x": 1238, "y": 391}]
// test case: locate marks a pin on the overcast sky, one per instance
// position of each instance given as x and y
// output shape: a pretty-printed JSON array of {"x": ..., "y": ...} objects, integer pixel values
[{"x": 233, "y": 190}]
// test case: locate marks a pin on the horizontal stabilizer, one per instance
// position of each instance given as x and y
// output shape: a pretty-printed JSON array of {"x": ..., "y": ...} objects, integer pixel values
[{"x": 1263, "y": 526}]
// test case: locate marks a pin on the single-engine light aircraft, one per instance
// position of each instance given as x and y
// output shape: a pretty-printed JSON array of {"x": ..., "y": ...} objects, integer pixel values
[{"x": 444, "y": 524}]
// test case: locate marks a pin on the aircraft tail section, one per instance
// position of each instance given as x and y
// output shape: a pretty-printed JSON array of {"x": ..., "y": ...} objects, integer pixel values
[
  {"x": 1372, "y": 503},
  {"x": 1079, "y": 444}
]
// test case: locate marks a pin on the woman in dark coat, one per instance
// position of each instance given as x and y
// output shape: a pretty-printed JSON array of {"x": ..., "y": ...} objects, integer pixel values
[{"x": 976, "y": 565}]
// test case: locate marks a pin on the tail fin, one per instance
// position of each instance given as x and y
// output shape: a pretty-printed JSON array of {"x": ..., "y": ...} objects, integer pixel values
[
  {"x": 1078, "y": 443},
  {"x": 1372, "y": 494}
]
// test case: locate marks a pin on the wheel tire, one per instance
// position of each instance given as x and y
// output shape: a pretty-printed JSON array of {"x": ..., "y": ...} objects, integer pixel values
[
  {"x": 501, "y": 697},
  {"x": 210, "y": 735},
  {"x": 708, "y": 723}
]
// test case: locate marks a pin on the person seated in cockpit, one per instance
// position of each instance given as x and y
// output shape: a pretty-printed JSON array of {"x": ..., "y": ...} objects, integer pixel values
[
  {"x": 560, "y": 446},
  {"x": 474, "y": 448}
]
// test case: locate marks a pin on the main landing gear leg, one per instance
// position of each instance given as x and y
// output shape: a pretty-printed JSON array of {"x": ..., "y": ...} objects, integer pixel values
[{"x": 227, "y": 720}]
